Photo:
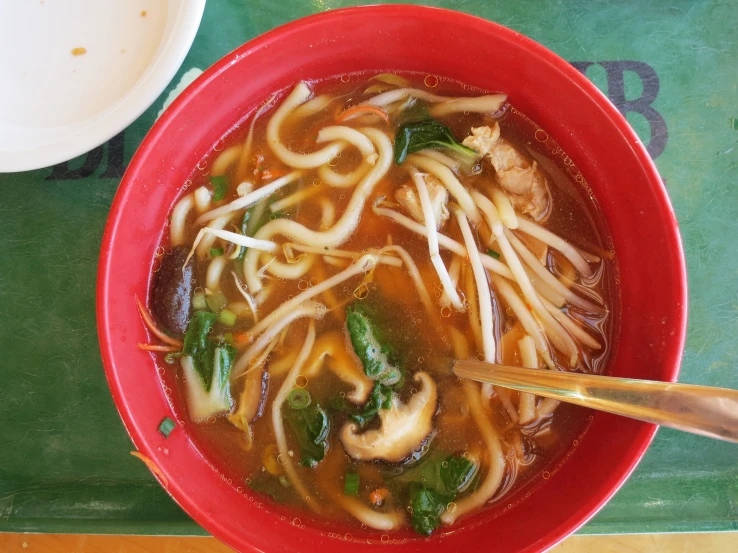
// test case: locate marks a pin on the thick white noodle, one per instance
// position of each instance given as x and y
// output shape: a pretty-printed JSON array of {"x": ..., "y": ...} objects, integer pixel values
[
  {"x": 180, "y": 212},
  {"x": 527, "y": 401},
  {"x": 295, "y": 198},
  {"x": 287, "y": 385},
  {"x": 202, "y": 199},
  {"x": 343, "y": 180},
  {"x": 352, "y": 136},
  {"x": 496, "y": 460},
  {"x": 440, "y": 157},
  {"x": 291, "y": 270},
  {"x": 299, "y": 94},
  {"x": 310, "y": 309},
  {"x": 214, "y": 273},
  {"x": 341, "y": 230},
  {"x": 225, "y": 160},
  {"x": 362, "y": 265},
  {"x": 489, "y": 103}
]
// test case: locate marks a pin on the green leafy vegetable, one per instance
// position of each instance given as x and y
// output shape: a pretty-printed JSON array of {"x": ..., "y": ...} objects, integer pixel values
[
  {"x": 244, "y": 227},
  {"x": 380, "y": 398},
  {"x": 428, "y": 133},
  {"x": 299, "y": 398},
  {"x": 493, "y": 253},
  {"x": 197, "y": 345},
  {"x": 457, "y": 473},
  {"x": 351, "y": 484},
  {"x": 311, "y": 427},
  {"x": 215, "y": 252},
  {"x": 265, "y": 483},
  {"x": 209, "y": 396},
  {"x": 427, "y": 506},
  {"x": 370, "y": 346},
  {"x": 220, "y": 187}
]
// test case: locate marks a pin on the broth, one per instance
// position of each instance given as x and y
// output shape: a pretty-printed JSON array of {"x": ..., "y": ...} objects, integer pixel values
[{"x": 453, "y": 466}]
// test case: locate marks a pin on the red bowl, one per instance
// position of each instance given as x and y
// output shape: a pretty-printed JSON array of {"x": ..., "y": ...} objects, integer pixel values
[{"x": 605, "y": 153}]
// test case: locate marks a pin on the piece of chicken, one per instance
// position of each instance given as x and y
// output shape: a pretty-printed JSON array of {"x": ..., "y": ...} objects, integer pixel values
[
  {"x": 518, "y": 175},
  {"x": 408, "y": 197}
]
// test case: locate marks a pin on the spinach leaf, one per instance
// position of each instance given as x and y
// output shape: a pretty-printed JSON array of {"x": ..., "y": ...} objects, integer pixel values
[
  {"x": 264, "y": 483},
  {"x": 197, "y": 345},
  {"x": 243, "y": 227},
  {"x": 222, "y": 364},
  {"x": 427, "y": 472},
  {"x": 311, "y": 427},
  {"x": 370, "y": 346},
  {"x": 428, "y": 133},
  {"x": 380, "y": 398},
  {"x": 220, "y": 187},
  {"x": 427, "y": 506},
  {"x": 457, "y": 473}
]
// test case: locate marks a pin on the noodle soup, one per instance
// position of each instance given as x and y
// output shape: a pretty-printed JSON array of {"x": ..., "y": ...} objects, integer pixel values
[{"x": 335, "y": 257}]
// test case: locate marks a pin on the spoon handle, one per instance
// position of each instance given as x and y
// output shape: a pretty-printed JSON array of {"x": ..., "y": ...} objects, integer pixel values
[{"x": 701, "y": 410}]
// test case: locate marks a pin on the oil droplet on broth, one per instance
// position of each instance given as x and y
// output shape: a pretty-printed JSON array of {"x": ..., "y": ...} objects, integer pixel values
[
  {"x": 385, "y": 538},
  {"x": 451, "y": 507},
  {"x": 296, "y": 522}
]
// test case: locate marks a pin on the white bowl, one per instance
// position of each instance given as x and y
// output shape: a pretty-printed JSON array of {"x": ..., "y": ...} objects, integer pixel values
[{"x": 55, "y": 105}]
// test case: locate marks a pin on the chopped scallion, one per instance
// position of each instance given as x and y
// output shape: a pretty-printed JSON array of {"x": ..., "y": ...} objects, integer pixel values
[
  {"x": 493, "y": 253},
  {"x": 220, "y": 187},
  {"x": 299, "y": 398},
  {"x": 216, "y": 301},
  {"x": 227, "y": 317},
  {"x": 166, "y": 426},
  {"x": 199, "y": 303},
  {"x": 215, "y": 252},
  {"x": 351, "y": 484}
]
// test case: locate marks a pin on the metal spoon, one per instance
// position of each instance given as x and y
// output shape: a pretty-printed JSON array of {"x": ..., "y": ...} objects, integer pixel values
[{"x": 701, "y": 410}]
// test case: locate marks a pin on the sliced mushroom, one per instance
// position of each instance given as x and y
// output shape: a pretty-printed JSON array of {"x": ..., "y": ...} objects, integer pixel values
[
  {"x": 404, "y": 427},
  {"x": 330, "y": 350}
]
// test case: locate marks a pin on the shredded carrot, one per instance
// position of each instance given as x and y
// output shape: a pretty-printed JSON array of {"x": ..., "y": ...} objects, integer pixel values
[
  {"x": 157, "y": 347},
  {"x": 362, "y": 109},
  {"x": 152, "y": 467},
  {"x": 271, "y": 174},
  {"x": 378, "y": 496},
  {"x": 154, "y": 329},
  {"x": 242, "y": 338}
]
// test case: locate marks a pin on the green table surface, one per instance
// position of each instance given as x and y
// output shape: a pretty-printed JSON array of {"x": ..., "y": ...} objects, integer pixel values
[{"x": 671, "y": 66}]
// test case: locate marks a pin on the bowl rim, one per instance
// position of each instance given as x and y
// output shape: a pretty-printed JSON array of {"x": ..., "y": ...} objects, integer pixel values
[{"x": 638, "y": 445}]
